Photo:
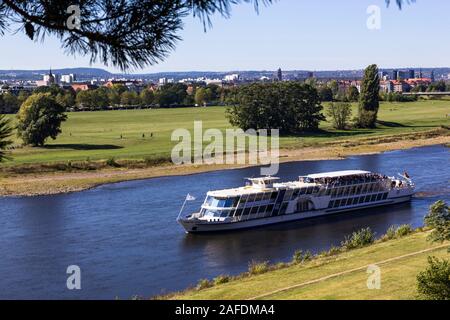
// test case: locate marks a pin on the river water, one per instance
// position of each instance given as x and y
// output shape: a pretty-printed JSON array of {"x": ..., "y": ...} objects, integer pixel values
[{"x": 126, "y": 242}]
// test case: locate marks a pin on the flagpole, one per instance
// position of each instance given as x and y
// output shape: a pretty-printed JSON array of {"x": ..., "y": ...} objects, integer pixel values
[{"x": 182, "y": 207}]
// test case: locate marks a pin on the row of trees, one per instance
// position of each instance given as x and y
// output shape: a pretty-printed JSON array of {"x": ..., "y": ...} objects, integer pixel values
[{"x": 169, "y": 95}]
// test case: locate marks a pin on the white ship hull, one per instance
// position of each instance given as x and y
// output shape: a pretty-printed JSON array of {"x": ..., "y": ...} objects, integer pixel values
[{"x": 199, "y": 226}]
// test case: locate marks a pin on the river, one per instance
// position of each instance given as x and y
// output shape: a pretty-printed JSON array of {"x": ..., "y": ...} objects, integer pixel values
[{"x": 126, "y": 242}]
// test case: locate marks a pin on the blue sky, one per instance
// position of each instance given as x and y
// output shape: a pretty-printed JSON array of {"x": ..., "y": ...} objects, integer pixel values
[{"x": 291, "y": 34}]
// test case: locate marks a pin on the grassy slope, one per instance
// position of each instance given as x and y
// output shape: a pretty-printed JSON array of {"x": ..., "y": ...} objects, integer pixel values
[
  {"x": 398, "y": 278},
  {"x": 97, "y": 134}
]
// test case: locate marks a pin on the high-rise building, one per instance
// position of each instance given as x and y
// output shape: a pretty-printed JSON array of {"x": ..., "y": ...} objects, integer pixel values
[
  {"x": 433, "y": 79},
  {"x": 279, "y": 75},
  {"x": 68, "y": 78},
  {"x": 412, "y": 74},
  {"x": 395, "y": 75}
]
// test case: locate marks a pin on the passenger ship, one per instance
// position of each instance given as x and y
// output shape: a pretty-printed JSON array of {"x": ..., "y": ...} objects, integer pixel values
[{"x": 265, "y": 201}]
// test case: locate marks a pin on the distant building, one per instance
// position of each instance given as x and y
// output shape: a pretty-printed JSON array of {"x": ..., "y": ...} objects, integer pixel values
[
  {"x": 83, "y": 86},
  {"x": 387, "y": 86},
  {"x": 395, "y": 75},
  {"x": 68, "y": 78},
  {"x": 433, "y": 79},
  {"x": 401, "y": 86},
  {"x": 47, "y": 80},
  {"x": 232, "y": 77},
  {"x": 412, "y": 74},
  {"x": 162, "y": 81}
]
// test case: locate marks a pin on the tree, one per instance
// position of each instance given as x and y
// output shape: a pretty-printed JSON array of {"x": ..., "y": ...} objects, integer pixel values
[
  {"x": 353, "y": 94},
  {"x": 5, "y": 133},
  {"x": 369, "y": 99},
  {"x": 39, "y": 118},
  {"x": 340, "y": 113},
  {"x": 10, "y": 103},
  {"x": 291, "y": 107},
  {"x": 438, "y": 218},
  {"x": 147, "y": 97},
  {"x": 325, "y": 93},
  {"x": 434, "y": 282},
  {"x": 200, "y": 95},
  {"x": 171, "y": 94},
  {"x": 122, "y": 33},
  {"x": 129, "y": 98}
]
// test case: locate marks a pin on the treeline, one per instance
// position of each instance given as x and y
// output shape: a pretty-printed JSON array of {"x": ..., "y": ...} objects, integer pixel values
[{"x": 120, "y": 96}]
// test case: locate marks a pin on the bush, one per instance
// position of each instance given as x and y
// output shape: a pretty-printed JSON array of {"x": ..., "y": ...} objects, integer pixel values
[
  {"x": 434, "y": 282},
  {"x": 112, "y": 162},
  {"x": 221, "y": 279},
  {"x": 298, "y": 256},
  {"x": 403, "y": 230},
  {"x": 203, "y": 284},
  {"x": 359, "y": 239},
  {"x": 258, "y": 267},
  {"x": 390, "y": 233}
]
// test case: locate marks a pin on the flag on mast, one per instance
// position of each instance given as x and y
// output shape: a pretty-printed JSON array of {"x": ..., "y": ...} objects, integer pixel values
[{"x": 189, "y": 197}]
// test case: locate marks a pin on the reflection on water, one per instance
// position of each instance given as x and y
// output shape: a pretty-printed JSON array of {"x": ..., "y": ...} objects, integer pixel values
[{"x": 125, "y": 239}]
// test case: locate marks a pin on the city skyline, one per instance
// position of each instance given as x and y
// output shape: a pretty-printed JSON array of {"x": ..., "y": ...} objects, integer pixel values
[{"x": 331, "y": 42}]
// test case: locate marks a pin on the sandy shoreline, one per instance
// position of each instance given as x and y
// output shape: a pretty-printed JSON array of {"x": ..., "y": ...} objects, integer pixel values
[{"x": 63, "y": 182}]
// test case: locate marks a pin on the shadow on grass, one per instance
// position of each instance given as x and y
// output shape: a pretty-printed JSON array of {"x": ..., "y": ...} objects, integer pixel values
[
  {"x": 328, "y": 134},
  {"x": 392, "y": 124},
  {"x": 83, "y": 146}
]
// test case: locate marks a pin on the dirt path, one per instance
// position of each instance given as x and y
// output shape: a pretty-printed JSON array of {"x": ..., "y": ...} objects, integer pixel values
[{"x": 338, "y": 274}]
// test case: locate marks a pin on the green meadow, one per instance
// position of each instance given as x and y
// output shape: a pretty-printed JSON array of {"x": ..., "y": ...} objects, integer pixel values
[
  {"x": 139, "y": 134},
  {"x": 339, "y": 277}
]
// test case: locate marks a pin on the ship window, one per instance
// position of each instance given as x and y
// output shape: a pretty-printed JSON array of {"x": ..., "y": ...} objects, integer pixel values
[
  {"x": 363, "y": 188},
  {"x": 373, "y": 197},
  {"x": 303, "y": 191},
  {"x": 225, "y": 213},
  {"x": 333, "y": 193},
  {"x": 238, "y": 212},
  {"x": 295, "y": 193},
  {"x": 262, "y": 209},
  {"x": 267, "y": 196},
  {"x": 269, "y": 208},
  {"x": 379, "y": 196},
  {"x": 336, "y": 203},
  {"x": 358, "y": 190},
  {"x": 385, "y": 196},
  {"x": 361, "y": 200},
  {"x": 367, "y": 199},
  {"x": 259, "y": 197},
  {"x": 287, "y": 195},
  {"x": 246, "y": 211},
  {"x": 274, "y": 195},
  {"x": 283, "y": 208},
  {"x": 331, "y": 204},
  {"x": 254, "y": 210},
  {"x": 251, "y": 198}
]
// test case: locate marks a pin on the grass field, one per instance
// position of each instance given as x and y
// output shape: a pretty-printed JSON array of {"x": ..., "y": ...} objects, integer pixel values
[
  {"x": 398, "y": 277},
  {"x": 97, "y": 135}
]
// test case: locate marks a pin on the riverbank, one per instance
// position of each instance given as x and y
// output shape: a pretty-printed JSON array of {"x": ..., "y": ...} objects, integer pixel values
[
  {"x": 33, "y": 182},
  {"x": 340, "y": 276}
]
